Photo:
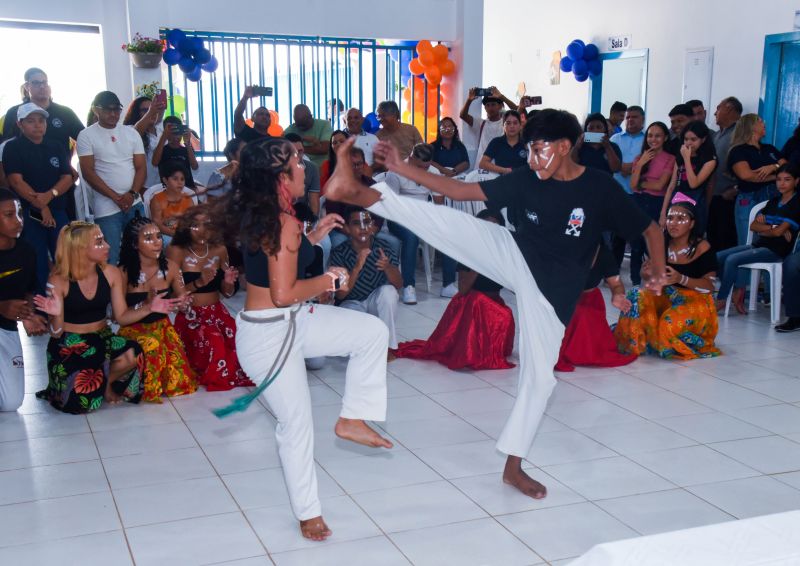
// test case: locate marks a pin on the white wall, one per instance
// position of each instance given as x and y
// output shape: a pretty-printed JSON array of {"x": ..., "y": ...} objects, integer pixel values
[{"x": 519, "y": 48}]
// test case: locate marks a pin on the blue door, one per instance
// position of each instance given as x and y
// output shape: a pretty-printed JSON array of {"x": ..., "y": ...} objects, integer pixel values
[{"x": 787, "y": 109}]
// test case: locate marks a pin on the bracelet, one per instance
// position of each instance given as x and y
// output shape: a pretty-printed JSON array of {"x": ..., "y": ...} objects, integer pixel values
[
  {"x": 334, "y": 280},
  {"x": 55, "y": 330},
  {"x": 138, "y": 306},
  {"x": 684, "y": 280}
]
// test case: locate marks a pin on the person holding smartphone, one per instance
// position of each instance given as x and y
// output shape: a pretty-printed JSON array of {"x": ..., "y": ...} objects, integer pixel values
[
  {"x": 594, "y": 149},
  {"x": 169, "y": 148},
  {"x": 260, "y": 117}
]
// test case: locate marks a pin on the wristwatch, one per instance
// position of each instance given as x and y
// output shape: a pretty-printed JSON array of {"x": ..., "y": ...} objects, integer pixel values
[{"x": 54, "y": 193}]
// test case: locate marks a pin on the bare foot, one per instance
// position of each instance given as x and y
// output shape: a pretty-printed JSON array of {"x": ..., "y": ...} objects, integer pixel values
[
  {"x": 513, "y": 475},
  {"x": 315, "y": 529},
  {"x": 738, "y": 301},
  {"x": 390, "y": 357},
  {"x": 357, "y": 431},
  {"x": 111, "y": 397}
]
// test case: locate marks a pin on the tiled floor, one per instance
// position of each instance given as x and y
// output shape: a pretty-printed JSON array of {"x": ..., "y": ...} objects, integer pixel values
[{"x": 651, "y": 447}]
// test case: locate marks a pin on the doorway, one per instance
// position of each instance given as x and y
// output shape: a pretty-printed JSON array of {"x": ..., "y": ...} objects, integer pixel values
[{"x": 624, "y": 78}]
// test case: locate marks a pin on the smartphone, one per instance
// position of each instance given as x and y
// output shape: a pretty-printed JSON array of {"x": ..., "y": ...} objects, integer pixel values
[
  {"x": 160, "y": 97},
  {"x": 483, "y": 91},
  {"x": 180, "y": 129},
  {"x": 593, "y": 137},
  {"x": 36, "y": 215},
  {"x": 531, "y": 101},
  {"x": 262, "y": 90}
]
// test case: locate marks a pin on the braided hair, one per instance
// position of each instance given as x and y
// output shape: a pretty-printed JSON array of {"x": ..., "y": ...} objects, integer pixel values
[{"x": 129, "y": 259}]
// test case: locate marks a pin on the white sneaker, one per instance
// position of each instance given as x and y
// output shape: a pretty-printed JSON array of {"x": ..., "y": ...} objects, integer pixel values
[
  {"x": 410, "y": 295},
  {"x": 449, "y": 291}
]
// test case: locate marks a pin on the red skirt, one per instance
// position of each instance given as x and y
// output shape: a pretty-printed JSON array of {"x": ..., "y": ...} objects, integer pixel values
[
  {"x": 209, "y": 335},
  {"x": 588, "y": 340},
  {"x": 476, "y": 332}
]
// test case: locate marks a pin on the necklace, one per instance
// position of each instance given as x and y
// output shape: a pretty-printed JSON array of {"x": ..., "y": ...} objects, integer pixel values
[
  {"x": 197, "y": 254},
  {"x": 673, "y": 254}
]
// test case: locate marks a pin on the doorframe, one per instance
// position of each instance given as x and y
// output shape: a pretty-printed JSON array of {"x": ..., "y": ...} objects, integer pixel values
[
  {"x": 596, "y": 84},
  {"x": 770, "y": 74}
]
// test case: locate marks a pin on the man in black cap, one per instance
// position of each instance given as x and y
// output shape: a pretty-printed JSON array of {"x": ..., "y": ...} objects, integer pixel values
[
  {"x": 492, "y": 126},
  {"x": 113, "y": 163}
]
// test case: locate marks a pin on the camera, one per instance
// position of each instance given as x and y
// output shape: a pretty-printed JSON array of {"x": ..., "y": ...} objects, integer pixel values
[
  {"x": 593, "y": 137},
  {"x": 262, "y": 90},
  {"x": 531, "y": 101},
  {"x": 483, "y": 91}
]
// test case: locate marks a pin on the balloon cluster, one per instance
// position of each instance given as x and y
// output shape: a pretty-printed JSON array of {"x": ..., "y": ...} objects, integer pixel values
[
  {"x": 371, "y": 123},
  {"x": 582, "y": 60},
  {"x": 432, "y": 62},
  {"x": 190, "y": 54}
]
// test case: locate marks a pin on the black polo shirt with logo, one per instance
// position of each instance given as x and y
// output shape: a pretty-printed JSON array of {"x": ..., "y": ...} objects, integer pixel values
[
  {"x": 62, "y": 124},
  {"x": 40, "y": 164}
]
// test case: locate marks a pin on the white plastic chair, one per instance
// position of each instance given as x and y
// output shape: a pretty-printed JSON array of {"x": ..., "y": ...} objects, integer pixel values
[{"x": 428, "y": 253}]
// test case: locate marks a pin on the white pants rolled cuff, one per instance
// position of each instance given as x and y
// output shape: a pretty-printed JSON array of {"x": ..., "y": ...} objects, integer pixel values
[
  {"x": 12, "y": 371},
  {"x": 383, "y": 303}
]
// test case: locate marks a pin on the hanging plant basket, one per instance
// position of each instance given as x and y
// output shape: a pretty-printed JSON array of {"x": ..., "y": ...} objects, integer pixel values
[{"x": 146, "y": 60}]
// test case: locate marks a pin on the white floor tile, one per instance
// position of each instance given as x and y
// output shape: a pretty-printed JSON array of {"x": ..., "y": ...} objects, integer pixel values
[
  {"x": 768, "y": 454},
  {"x": 566, "y": 392},
  {"x": 735, "y": 371},
  {"x": 235, "y": 428},
  {"x": 243, "y": 456},
  {"x": 565, "y": 446},
  {"x": 200, "y": 406},
  {"x": 47, "y": 451},
  {"x": 127, "y": 415},
  {"x": 614, "y": 385},
  {"x": 786, "y": 389},
  {"x": 364, "y": 552},
  {"x": 461, "y": 460},
  {"x": 475, "y": 401},
  {"x": 160, "y": 467},
  {"x": 16, "y": 426},
  {"x": 792, "y": 479},
  {"x": 414, "y": 408},
  {"x": 786, "y": 365},
  {"x": 431, "y": 432},
  {"x": 693, "y": 465},
  {"x": 659, "y": 405},
  {"x": 439, "y": 379},
  {"x": 328, "y": 446},
  {"x": 143, "y": 439},
  {"x": 47, "y": 482},
  {"x": 749, "y": 497},
  {"x": 629, "y": 438},
  {"x": 780, "y": 419},
  {"x": 101, "y": 549},
  {"x": 712, "y": 427},
  {"x": 267, "y": 488},
  {"x": 591, "y": 413},
  {"x": 393, "y": 468},
  {"x": 672, "y": 378}
]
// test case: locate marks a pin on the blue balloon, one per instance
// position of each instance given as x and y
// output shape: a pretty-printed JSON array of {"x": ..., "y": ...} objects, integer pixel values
[
  {"x": 595, "y": 67},
  {"x": 580, "y": 67},
  {"x": 175, "y": 36},
  {"x": 187, "y": 64},
  {"x": 371, "y": 123},
  {"x": 590, "y": 52},
  {"x": 211, "y": 66},
  {"x": 581, "y": 78},
  {"x": 579, "y": 41},
  {"x": 203, "y": 56},
  {"x": 575, "y": 51},
  {"x": 185, "y": 46},
  {"x": 195, "y": 74},
  {"x": 566, "y": 64},
  {"x": 172, "y": 57},
  {"x": 197, "y": 45}
]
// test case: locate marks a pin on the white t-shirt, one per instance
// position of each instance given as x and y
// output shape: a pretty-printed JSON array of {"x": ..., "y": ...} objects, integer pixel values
[
  {"x": 490, "y": 131},
  {"x": 113, "y": 151},
  {"x": 407, "y": 187},
  {"x": 366, "y": 142}
]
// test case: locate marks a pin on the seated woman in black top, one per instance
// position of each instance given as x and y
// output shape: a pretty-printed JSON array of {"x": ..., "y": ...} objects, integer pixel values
[
  {"x": 86, "y": 362},
  {"x": 603, "y": 155},
  {"x": 147, "y": 272},
  {"x": 507, "y": 152},
  {"x": 476, "y": 330},
  {"x": 207, "y": 329},
  {"x": 681, "y": 322},
  {"x": 449, "y": 154}
]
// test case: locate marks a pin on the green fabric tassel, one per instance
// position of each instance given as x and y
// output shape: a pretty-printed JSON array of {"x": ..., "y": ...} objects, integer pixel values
[{"x": 240, "y": 404}]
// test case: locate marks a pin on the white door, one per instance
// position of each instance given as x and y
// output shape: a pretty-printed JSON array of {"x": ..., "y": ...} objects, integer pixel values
[{"x": 697, "y": 68}]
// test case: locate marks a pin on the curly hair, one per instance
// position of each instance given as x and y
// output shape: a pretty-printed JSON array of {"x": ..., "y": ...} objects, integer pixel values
[
  {"x": 251, "y": 211},
  {"x": 129, "y": 259},
  {"x": 183, "y": 230}
]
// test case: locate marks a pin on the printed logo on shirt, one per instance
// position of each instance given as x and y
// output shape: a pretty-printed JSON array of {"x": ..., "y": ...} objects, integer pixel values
[
  {"x": 575, "y": 222},
  {"x": 56, "y": 122},
  {"x": 16, "y": 362},
  {"x": 532, "y": 216},
  {"x": 523, "y": 154},
  {"x": 55, "y": 162}
]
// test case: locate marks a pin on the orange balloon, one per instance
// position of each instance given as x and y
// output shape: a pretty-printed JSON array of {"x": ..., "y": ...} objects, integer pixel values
[
  {"x": 447, "y": 67},
  {"x": 423, "y": 46},
  {"x": 427, "y": 59},
  {"x": 415, "y": 67},
  {"x": 407, "y": 94},
  {"x": 433, "y": 109},
  {"x": 433, "y": 75},
  {"x": 275, "y": 130},
  {"x": 440, "y": 52},
  {"x": 249, "y": 122}
]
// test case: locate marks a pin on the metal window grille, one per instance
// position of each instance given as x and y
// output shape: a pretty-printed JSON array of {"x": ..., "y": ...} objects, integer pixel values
[{"x": 300, "y": 69}]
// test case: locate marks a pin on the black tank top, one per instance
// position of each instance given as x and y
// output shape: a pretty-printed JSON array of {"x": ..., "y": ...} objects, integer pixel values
[
  {"x": 133, "y": 298},
  {"x": 80, "y": 310},
  {"x": 212, "y": 286},
  {"x": 256, "y": 266}
]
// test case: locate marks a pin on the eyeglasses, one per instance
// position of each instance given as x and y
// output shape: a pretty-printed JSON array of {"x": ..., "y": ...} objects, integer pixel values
[
  {"x": 447, "y": 129},
  {"x": 38, "y": 84}
]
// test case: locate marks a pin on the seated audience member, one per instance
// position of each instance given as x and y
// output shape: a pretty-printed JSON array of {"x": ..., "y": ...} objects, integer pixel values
[
  {"x": 364, "y": 140},
  {"x": 449, "y": 154},
  {"x": 506, "y": 153},
  {"x": 681, "y": 322},
  {"x": 17, "y": 286},
  {"x": 167, "y": 206},
  {"x": 492, "y": 126},
  {"x": 169, "y": 148},
  {"x": 220, "y": 182},
  {"x": 698, "y": 110},
  {"x": 616, "y": 116},
  {"x": 403, "y": 136},
  {"x": 420, "y": 156},
  {"x": 311, "y": 178},
  {"x": 679, "y": 117},
  {"x": 146, "y": 272},
  {"x": 692, "y": 172},
  {"x": 314, "y": 133},
  {"x": 260, "y": 118},
  {"x": 146, "y": 118},
  {"x": 374, "y": 274},
  {"x": 650, "y": 178},
  {"x": 604, "y": 155},
  {"x": 38, "y": 170},
  {"x": 588, "y": 340},
  {"x": 326, "y": 170},
  {"x": 86, "y": 362},
  {"x": 721, "y": 211},
  {"x": 206, "y": 328},
  {"x": 791, "y": 149},
  {"x": 776, "y": 227},
  {"x": 116, "y": 171},
  {"x": 791, "y": 293},
  {"x": 477, "y": 328}
]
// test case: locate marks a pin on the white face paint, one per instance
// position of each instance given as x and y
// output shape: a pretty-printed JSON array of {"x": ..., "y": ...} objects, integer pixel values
[
  {"x": 541, "y": 156},
  {"x": 18, "y": 212}
]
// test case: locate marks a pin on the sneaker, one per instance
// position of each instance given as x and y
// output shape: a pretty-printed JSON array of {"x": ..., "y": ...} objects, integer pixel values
[
  {"x": 790, "y": 325},
  {"x": 410, "y": 295},
  {"x": 449, "y": 291}
]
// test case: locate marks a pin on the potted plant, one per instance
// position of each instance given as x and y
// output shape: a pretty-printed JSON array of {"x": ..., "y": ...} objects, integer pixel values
[{"x": 146, "y": 52}]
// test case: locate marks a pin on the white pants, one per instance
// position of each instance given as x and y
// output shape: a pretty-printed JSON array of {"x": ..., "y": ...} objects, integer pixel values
[
  {"x": 382, "y": 302},
  {"x": 490, "y": 249},
  {"x": 12, "y": 371},
  {"x": 322, "y": 330}
]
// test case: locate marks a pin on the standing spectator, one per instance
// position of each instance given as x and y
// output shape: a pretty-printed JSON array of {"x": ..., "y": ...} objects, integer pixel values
[
  {"x": 449, "y": 154},
  {"x": 364, "y": 140},
  {"x": 144, "y": 115},
  {"x": 616, "y": 115},
  {"x": 221, "y": 180},
  {"x": 698, "y": 110},
  {"x": 315, "y": 134},
  {"x": 679, "y": 117},
  {"x": 721, "y": 224},
  {"x": 630, "y": 144},
  {"x": 492, "y": 126},
  {"x": 791, "y": 149},
  {"x": 63, "y": 126},
  {"x": 261, "y": 120},
  {"x": 311, "y": 181},
  {"x": 113, "y": 164},
  {"x": 38, "y": 171},
  {"x": 337, "y": 137},
  {"x": 605, "y": 155},
  {"x": 506, "y": 153},
  {"x": 335, "y": 114},
  {"x": 403, "y": 136},
  {"x": 373, "y": 267},
  {"x": 169, "y": 148}
]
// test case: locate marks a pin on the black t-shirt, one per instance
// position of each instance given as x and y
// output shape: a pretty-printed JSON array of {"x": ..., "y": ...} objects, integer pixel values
[
  {"x": 482, "y": 283},
  {"x": 17, "y": 276},
  {"x": 450, "y": 157},
  {"x": 560, "y": 224},
  {"x": 699, "y": 266},
  {"x": 673, "y": 146},
  {"x": 40, "y": 164},
  {"x": 505, "y": 155},
  {"x": 62, "y": 124},
  {"x": 605, "y": 266},
  {"x": 791, "y": 150},
  {"x": 596, "y": 157},
  {"x": 249, "y": 134},
  {"x": 181, "y": 155},
  {"x": 697, "y": 194},
  {"x": 776, "y": 213},
  {"x": 755, "y": 157}
]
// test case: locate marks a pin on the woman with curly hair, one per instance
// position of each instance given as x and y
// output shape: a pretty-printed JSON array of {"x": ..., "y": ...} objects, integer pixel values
[
  {"x": 146, "y": 272},
  {"x": 207, "y": 329},
  {"x": 86, "y": 362}
]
